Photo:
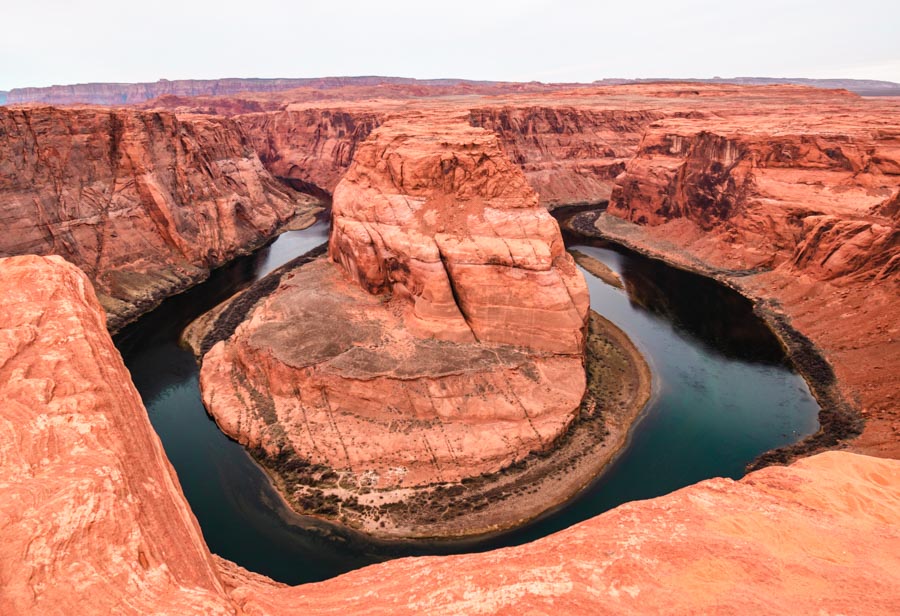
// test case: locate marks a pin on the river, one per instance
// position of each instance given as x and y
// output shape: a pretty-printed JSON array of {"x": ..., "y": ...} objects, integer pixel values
[{"x": 723, "y": 393}]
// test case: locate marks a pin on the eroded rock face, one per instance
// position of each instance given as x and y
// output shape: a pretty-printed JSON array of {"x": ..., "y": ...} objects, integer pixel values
[
  {"x": 145, "y": 203},
  {"x": 310, "y": 148},
  {"x": 92, "y": 520},
  {"x": 816, "y": 201},
  {"x": 820, "y": 536},
  {"x": 446, "y": 342},
  {"x": 436, "y": 212},
  {"x": 570, "y": 154}
]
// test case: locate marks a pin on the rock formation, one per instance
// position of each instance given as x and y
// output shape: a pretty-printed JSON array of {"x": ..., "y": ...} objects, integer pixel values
[
  {"x": 308, "y": 148},
  {"x": 448, "y": 341},
  {"x": 798, "y": 210},
  {"x": 92, "y": 520},
  {"x": 570, "y": 155},
  {"x": 145, "y": 203},
  {"x": 436, "y": 212}
]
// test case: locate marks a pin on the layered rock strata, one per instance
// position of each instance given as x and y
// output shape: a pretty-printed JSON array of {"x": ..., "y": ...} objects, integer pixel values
[
  {"x": 570, "y": 155},
  {"x": 145, "y": 203},
  {"x": 92, "y": 520},
  {"x": 805, "y": 221},
  {"x": 445, "y": 342}
]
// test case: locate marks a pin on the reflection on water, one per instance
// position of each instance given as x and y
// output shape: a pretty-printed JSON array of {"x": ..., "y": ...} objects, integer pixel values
[{"x": 724, "y": 394}]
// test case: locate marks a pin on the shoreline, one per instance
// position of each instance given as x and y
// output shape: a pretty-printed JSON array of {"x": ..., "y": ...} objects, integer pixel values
[
  {"x": 514, "y": 496},
  {"x": 839, "y": 420},
  {"x": 620, "y": 385}
]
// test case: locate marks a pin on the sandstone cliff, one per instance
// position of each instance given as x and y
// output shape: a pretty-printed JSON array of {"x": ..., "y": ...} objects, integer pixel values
[
  {"x": 92, "y": 520},
  {"x": 798, "y": 210},
  {"x": 447, "y": 344},
  {"x": 145, "y": 203},
  {"x": 308, "y": 148},
  {"x": 570, "y": 155}
]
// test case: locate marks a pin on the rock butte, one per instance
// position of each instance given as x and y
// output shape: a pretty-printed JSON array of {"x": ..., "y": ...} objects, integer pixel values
[
  {"x": 446, "y": 341},
  {"x": 93, "y": 521}
]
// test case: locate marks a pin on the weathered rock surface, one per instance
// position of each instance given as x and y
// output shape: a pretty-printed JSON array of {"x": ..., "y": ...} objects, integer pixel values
[
  {"x": 92, "y": 520},
  {"x": 570, "y": 155},
  {"x": 324, "y": 371},
  {"x": 434, "y": 211},
  {"x": 450, "y": 345},
  {"x": 145, "y": 203},
  {"x": 309, "y": 148},
  {"x": 797, "y": 208}
]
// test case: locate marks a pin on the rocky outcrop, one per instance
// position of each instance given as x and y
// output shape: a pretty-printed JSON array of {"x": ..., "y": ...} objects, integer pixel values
[
  {"x": 146, "y": 203},
  {"x": 446, "y": 343},
  {"x": 570, "y": 155},
  {"x": 817, "y": 537},
  {"x": 811, "y": 200},
  {"x": 436, "y": 212},
  {"x": 92, "y": 520}
]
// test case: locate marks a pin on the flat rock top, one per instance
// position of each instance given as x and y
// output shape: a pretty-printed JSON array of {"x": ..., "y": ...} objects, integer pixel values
[{"x": 319, "y": 318}]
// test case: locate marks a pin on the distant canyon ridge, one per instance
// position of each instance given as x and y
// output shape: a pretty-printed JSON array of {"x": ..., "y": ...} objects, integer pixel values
[{"x": 133, "y": 93}]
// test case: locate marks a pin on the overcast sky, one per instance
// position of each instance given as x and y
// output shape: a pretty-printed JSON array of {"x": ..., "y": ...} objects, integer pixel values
[{"x": 46, "y": 42}]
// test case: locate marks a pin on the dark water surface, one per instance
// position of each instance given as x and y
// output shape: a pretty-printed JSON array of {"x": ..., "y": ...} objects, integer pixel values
[{"x": 724, "y": 393}]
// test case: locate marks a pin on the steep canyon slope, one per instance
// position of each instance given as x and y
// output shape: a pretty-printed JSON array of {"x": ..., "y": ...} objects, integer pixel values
[
  {"x": 145, "y": 202},
  {"x": 92, "y": 520}
]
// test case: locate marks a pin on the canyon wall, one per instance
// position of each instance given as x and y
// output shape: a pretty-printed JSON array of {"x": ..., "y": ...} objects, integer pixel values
[
  {"x": 92, "y": 520},
  {"x": 310, "y": 149},
  {"x": 797, "y": 208},
  {"x": 824, "y": 204},
  {"x": 146, "y": 203},
  {"x": 570, "y": 155}
]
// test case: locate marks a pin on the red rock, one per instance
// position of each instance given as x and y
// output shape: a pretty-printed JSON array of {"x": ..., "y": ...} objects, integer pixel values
[
  {"x": 472, "y": 357},
  {"x": 818, "y": 537},
  {"x": 92, "y": 520},
  {"x": 145, "y": 203},
  {"x": 435, "y": 211},
  {"x": 311, "y": 148},
  {"x": 570, "y": 154}
]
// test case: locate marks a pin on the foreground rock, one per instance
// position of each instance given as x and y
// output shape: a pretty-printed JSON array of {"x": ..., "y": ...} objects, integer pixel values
[
  {"x": 145, "y": 203},
  {"x": 446, "y": 345},
  {"x": 92, "y": 520}
]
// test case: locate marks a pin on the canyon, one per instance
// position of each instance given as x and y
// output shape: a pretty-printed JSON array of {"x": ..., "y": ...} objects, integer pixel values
[
  {"x": 94, "y": 521},
  {"x": 441, "y": 255}
]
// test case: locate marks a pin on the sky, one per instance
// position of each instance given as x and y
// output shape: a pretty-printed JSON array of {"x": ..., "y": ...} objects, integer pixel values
[{"x": 47, "y": 42}]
